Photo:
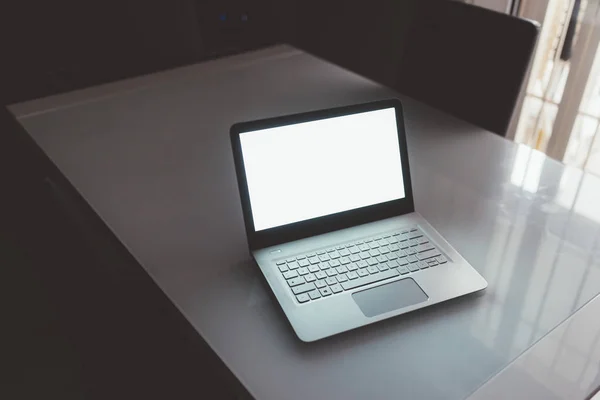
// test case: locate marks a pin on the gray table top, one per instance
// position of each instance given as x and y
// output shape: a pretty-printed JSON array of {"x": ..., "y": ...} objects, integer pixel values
[
  {"x": 152, "y": 157},
  {"x": 564, "y": 364}
]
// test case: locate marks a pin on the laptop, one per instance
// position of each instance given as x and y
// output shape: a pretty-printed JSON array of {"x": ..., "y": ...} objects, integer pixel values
[{"x": 330, "y": 219}]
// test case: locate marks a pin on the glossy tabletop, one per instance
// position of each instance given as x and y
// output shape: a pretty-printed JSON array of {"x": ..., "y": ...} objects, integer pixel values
[
  {"x": 152, "y": 157},
  {"x": 564, "y": 364}
]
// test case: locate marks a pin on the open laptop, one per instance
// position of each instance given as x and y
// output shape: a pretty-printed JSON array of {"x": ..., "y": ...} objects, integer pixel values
[{"x": 328, "y": 207}]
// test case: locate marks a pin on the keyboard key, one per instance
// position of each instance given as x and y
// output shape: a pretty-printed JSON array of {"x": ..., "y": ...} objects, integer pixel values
[
  {"x": 392, "y": 240},
  {"x": 352, "y": 275},
  {"x": 393, "y": 247},
  {"x": 392, "y": 256},
  {"x": 383, "y": 266},
  {"x": 422, "y": 240},
  {"x": 390, "y": 273},
  {"x": 320, "y": 284},
  {"x": 414, "y": 235},
  {"x": 413, "y": 229},
  {"x": 290, "y": 274},
  {"x": 302, "y": 298},
  {"x": 302, "y": 271},
  {"x": 293, "y": 265},
  {"x": 331, "y": 281},
  {"x": 334, "y": 263},
  {"x": 283, "y": 268},
  {"x": 324, "y": 257},
  {"x": 311, "y": 255},
  {"x": 331, "y": 272},
  {"x": 424, "y": 247},
  {"x": 307, "y": 287},
  {"x": 432, "y": 262},
  {"x": 334, "y": 254},
  {"x": 289, "y": 260},
  {"x": 296, "y": 281},
  {"x": 402, "y": 261},
  {"x": 422, "y": 265},
  {"x": 313, "y": 260},
  {"x": 336, "y": 288},
  {"x": 354, "y": 258},
  {"x": 314, "y": 294},
  {"x": 344, "y": 253},
  {"x": 384, "y": 250},
  {"x": 341, "y": 269},
  {"x": 372, "y": 261},
  {"x": 373, "y": 269},
  {"x": 403, "y": 270},
  {"x": 321, "y": 275},
  {"x": 382, "y": 242},
  {"x": 402, "y": 253},
  {"x": 340, "y": 247},
  {"x": 352, "y": 267},
  {"x": 364, "y": 247},
  {"x": 413, "y": 242},
  {"x": 321, "y": 252},
  {"x": 354, "y": 250},
  {"x": 412, "y": 267},
  {"x": 362, "y": 272},
  {"x": 310, "y": 278},
  {"x": 440, "y": 259},
  {"x": 300, "y": 257},
  {"x": 364, "y": 255},
  {"x": 382, "y": 259},
  {"x": 373, "y": 245},
  {"x": 393, "y": 264},
  {"x": 280, "y": 262},
  {"x": 344, "y": 260},
  {"x": 412, "y": 259},
  {"x": 341, "y": 278},
  {"x": 314, "y": 268},
  {"x": 303, "y": 263},
  {"x": 324, "y": 266},
  {"x": 331, "y": 250},
  {"x": 374, "y": 253},
  {"x": 362, "y": 264},
  {"x": 325, "y": 292},
  {"x": 428, "y": 254}
]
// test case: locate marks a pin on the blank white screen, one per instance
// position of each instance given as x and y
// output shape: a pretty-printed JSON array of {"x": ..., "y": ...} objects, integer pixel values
[{"x": 311, "y": 169}]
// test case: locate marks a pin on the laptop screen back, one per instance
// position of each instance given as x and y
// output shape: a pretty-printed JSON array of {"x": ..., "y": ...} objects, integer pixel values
[{"x": 312, "y": 169}]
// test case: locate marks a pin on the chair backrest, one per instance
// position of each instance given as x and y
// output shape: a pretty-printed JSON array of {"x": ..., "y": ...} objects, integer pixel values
[{"x": 463, "y": 59}]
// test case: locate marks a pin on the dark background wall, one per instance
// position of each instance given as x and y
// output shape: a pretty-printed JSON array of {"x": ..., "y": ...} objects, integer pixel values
[{"x": 55, "y": 46}]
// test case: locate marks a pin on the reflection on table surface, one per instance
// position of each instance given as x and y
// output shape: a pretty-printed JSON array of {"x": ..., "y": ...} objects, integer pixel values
[
  {"x": 563, "y": 365},
  {"x": 539, "y": 250}
]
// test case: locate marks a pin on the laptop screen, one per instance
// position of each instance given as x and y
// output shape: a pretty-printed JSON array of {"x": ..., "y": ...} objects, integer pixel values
[{"x": 312, "y": 169}]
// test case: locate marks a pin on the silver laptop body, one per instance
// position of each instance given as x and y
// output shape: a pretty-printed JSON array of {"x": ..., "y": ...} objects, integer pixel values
[{"x": 330, "y": 219}]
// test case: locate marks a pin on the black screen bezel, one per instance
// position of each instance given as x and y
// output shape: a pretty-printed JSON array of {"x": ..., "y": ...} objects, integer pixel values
[{"x": 332, "y": 222}]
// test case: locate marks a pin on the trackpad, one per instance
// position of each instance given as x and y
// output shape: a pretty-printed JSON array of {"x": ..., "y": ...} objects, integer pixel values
[{"x": 389, "y": 297}]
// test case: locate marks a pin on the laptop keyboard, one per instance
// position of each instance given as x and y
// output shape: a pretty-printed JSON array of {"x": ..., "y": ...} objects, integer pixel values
[{"x": 331, "y": 271}]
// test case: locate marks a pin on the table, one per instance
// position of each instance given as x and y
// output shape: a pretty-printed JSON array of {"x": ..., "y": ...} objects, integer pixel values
[
  {"x": 562, "y": 365},
  {"x": 151, "y": 156}
]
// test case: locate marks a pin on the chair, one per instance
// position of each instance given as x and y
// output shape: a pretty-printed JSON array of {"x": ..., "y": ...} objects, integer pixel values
[{"x": 468, "y": 61}]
